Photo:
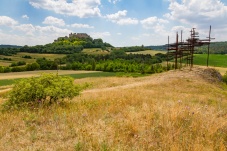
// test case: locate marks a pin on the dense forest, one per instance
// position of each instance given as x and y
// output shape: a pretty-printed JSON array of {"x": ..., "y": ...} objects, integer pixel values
[
  {"x": 115, "y": 61},
  {"x": 134, "y": 48},
  {"x": 215, "y": 48},
  {"x": 10, "y": 46},
  {"x": 9, "y": 51}
]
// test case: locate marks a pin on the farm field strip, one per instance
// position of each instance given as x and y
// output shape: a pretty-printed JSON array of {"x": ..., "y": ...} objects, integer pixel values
[
  {"x": 34, "y": 56},
  {"x": 151, "y": 52},
  {"x": 74, "y": 74},
  {"x": 16, "y": 75}
]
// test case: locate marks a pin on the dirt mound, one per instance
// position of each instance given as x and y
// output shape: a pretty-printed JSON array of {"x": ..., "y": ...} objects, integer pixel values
[{"x": 210, "y": 74}]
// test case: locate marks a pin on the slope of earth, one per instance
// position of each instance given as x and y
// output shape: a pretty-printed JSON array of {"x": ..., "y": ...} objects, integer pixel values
[{"x": 176, "y": 110}]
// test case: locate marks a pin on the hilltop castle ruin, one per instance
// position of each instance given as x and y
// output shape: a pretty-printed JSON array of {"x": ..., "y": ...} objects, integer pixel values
[{"x": 74, "y": 35}]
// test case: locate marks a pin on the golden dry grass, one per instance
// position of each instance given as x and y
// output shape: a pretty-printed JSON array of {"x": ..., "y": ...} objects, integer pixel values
[{"x": 177, "y": 110}]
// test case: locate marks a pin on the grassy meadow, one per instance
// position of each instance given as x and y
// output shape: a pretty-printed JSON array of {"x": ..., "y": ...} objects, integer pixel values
[
  {"x": 215, "y": 60},
  {"x": 34, "y": 56},
  {"x": 95, "y": 51},
  {"x": 176, "y": 110},
  {"x": 9, "y": 78},
  {"x": 151, "y": 52}
]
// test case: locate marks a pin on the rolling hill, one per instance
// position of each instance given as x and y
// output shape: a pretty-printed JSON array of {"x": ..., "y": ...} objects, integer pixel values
[{"x": 175, "y": 110}]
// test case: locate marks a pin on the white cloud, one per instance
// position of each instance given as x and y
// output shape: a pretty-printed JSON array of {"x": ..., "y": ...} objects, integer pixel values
[
  {"x": 54, "y": 21},
  {"x": 27, "y": 34},
  {"x": 117, "y": 15},
  {"x": 121, "y": 19},
  {"x": 29, "y": 29},
  {"x": 38, "y": 34},
  {"x": 153, "y": 23},
  {"x": 81, "y": 26},
  {"x": 127, "y": 21},
  {"x": 146, "y": 35},
  {"x": 197, "y": 12},
  {"x": 179, "y": 28},
  {"x": 100, "y": 34},
  {"x": 79, "y": 8},
  {"x": 7, "y": 21},
  {"x": 52, "y": 30},
  {"x": 119, "y": 34},
  {"x": 25, "y": 17},
  {"x": 114, "y": 1}
]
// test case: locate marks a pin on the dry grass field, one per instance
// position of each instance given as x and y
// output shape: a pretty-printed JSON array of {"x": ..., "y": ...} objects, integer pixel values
[{"x": 176, "y": 110}]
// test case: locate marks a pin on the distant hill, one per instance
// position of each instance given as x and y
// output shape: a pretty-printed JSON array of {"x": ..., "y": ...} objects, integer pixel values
[
  {"x": 215, "y": 48},
  {"x": 10, "y": 46},
  {"x": 69, "y": 44},
  {"x": 158, "y": 47}
]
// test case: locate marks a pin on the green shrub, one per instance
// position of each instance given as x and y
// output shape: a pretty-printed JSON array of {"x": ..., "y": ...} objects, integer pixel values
[
  {"x": 44, "y": 90},
  {"x": 224, "y": 78}
]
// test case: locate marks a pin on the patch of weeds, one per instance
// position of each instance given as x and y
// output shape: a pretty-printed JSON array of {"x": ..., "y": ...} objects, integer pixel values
[
  {"x": 211, "y": 102},
  {"x": 30, "y": 119},
  {"x": 84, "y": 86},
  {"x": 134, "y": 75},
  {"x": 79, "y": 146},
  {"x": 224, "y": 78},
  {"x": 104, "y": 147}
]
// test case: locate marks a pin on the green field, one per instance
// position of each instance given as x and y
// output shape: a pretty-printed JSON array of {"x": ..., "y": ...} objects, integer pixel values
[
  {"x": 215, "y": 60},
  {"x": 34, "y": 56},
  {"x": 151, "y": 52},
  {"x": 5, "y": 82},
  {"x": 95, "y": 51},
  {"x": 18, "y": 57}
]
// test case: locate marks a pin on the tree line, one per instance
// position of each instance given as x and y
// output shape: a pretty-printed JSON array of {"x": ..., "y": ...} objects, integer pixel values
[
  {"x": 116, "y": 61},
  {"x": 215, "y": 48}
]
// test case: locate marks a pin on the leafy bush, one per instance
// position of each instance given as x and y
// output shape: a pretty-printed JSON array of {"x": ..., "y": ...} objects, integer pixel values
[
  {"x": 224, "y": 78},
  {"x": 19, "y": 63},
  {"x": 44, "y": 90},
  {"x": 27, "y": 57}
]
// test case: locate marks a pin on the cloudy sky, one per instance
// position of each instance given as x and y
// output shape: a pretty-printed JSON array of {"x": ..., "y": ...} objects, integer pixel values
[{"x": 119, "y": 22}]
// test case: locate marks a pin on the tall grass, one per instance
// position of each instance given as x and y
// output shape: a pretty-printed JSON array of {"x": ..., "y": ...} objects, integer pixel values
[{"x": 168, "y": 111}]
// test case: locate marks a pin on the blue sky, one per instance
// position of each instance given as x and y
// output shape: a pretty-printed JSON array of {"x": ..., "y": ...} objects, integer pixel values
[{"x": 119, "y": 22}]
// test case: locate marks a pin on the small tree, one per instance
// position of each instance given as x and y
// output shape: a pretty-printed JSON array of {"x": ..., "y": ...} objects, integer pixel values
[{"x": 46, "y": 89}]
